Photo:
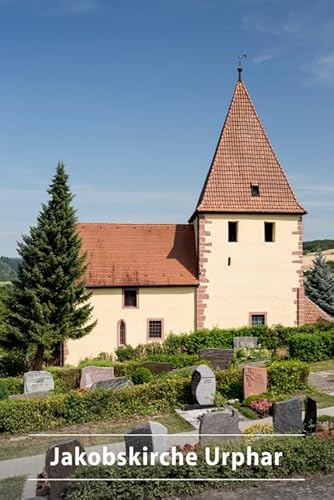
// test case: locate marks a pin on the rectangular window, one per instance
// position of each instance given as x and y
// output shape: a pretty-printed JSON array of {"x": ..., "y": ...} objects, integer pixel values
[
  {"x": 269, "y": 231},
  {"x": 257, "y": 319},
  {"x": 130, "y": 297},
  {"x": 232, "y": 231},
  {"x": 155, "y": 329},
  {"x": 255, "y": 190}
]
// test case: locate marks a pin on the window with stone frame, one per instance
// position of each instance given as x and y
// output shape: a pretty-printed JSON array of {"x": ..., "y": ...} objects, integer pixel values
[
  {"x": 155, "y": 329},
  {"x": 130, "y": 297}
]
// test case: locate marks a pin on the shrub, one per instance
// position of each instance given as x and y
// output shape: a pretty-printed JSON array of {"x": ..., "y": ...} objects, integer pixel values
[
  {"x": 288, "y": 376},
  {"x": 125, "y": 353},
  {"x": 260, "y": 428},
  {"x": 10, "y": 386},
  {"x": 26, "y": 415},
  {"x": 229, "y": 383},
  {"x": 180, "y": 360},
  {"x": 4, "y": 393},
  {"x": 65, "y": 379},
  {"x": 12, "y": 364},
  {"x": 311, "y": 347},
  {"x": 301, "y": 457},
  {"x": 142, "y": 375},
  {"x": 125, "y": 369}
]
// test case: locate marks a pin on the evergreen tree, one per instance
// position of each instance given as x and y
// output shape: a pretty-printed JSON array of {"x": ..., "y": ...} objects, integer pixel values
[
  {"x": 48, "y": 301},
  {"x": 319, "y": 285}
]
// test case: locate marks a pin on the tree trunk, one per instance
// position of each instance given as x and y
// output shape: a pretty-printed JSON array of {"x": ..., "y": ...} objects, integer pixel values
[{"x": 38, "y": 360}]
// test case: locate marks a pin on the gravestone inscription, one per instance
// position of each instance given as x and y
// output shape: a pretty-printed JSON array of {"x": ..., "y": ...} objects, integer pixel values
[
  {"x": 241, "y": 342},
  {"x": 255, "y": 380},
  {"x": 203, "y": 385},
  {"x": 38, "y": 381},
  {"x": 218, "y": 358},
  {"x": 287, "y": 416},
  {"x": 92, "y": 374}
]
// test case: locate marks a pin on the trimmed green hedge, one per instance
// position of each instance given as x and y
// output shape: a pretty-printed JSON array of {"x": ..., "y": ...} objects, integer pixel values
[
  {"x": 65, "y": 379},
  {"x": 288, "y": 376},
  {"x": 25, "y": 415},
  {"x": 11, "y": 385},
  {"x": 312, "y": 347},
  {"x": 301, "y": 457}
]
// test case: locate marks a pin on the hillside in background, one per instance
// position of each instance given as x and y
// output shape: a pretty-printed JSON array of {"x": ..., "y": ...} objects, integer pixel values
[
  {"x": 8, "y": 268},
  {"x": 315, "y": 245}
]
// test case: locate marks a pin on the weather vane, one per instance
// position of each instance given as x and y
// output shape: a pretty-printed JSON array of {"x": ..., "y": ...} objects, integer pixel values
[{"x": 240, "y": 57}]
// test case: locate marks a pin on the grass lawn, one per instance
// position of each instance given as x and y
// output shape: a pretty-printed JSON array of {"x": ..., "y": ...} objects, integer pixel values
[
  {"x": 21, "y": 445},
  {"x": 322, "y": 366},
  {"x": 323, "y": 400},
  {"x": 12, "y": 488}
]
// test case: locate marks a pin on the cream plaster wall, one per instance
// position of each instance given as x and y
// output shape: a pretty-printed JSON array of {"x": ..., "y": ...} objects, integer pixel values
[
  {"x": 261, "y": 275},
  {"x": 175, "y": 305}
]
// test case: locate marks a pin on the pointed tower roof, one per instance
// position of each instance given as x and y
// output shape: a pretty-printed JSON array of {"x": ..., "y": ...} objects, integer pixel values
[{"x": 245, "y": 175}]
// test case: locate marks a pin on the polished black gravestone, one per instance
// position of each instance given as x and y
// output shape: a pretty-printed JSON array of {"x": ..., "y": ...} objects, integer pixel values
[
  {"x": 218, "y": 358},
  {"x": 287, "y": 416},
  {"x": 310, "y": 420}
]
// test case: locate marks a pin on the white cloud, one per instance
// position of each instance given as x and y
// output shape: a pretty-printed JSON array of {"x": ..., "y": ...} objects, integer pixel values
[
  {"x": 317, "y": 188},
  {"x": 261, "y": 58},
  {"x": 321, "y": 69}
]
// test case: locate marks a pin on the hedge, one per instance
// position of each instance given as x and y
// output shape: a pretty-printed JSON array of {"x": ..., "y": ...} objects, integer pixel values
[
  {"x": 312, "y": 347},
  {"x": 26, "y": 415},
  {"x": 301, "y": 457},
  {"x": 11, "y": 385},
  {"x": 287, "y": 376}
]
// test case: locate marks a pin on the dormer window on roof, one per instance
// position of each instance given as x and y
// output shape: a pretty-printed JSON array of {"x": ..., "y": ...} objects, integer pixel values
[{"x": 255, "y": 190}]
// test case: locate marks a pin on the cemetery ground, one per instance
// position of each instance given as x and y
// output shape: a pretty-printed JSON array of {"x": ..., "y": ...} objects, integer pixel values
[{"x": 216, "y": 369}]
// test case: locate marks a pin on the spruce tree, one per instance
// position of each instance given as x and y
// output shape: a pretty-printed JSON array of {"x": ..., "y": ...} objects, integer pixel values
[
  {"x": 319, "y": 284},
  {"x": 48, "y": 302}
]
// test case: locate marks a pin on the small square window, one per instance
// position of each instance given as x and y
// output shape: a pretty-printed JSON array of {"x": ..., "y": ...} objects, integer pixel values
[
  {"x": 155, "y": 329},
  {"x": 130, "y": 297},
  {"x": 258, "y": 319},
  {"x": 255, "y": 190},
  {"x": 232, "y": 231},
  {"x": 269, "y": 231}
]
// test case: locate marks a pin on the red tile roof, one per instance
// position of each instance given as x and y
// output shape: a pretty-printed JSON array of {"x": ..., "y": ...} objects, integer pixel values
[
  {"x": 139, "y": 254},
  {"x": 314, "y": 313},
  {"x": 244, "y": 156}
]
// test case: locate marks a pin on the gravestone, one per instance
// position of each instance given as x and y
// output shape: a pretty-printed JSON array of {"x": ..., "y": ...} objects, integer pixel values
[
  {"x": 310, "y": 420},
  {"x": 155, "y": 438},
  {"x": 112, "y": 384},
  {"x": 241, "y": 342},
  {"x": 59, "y": 471},
  {"x": 92, "y": 374},
  {"x": 287, "y": 416},
  {"x": 218, "y": 358},
  {"x": 255, "y": 380},
  {"x": 203, "y": 385},
  {"x": 36, "y": 394},
  {"x": 219, "y": 423},
  {"x": 38, "y": 381},
  {"x": 157, "y": 367}
]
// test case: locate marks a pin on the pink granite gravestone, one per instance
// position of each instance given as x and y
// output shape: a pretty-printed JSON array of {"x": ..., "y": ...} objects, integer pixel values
[
  {"x": 92, "y": 374},
  {"x": 255, "y": 380}
]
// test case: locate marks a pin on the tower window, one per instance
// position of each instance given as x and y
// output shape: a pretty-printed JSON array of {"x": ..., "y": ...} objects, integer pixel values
[
  {"x": 269, "y": 231},
  {"x": 232, "y": 231},
  {"x": 155, "y": 329},
  {"x": 130, "y": 297},
  {"x": 255, "y": 190}
]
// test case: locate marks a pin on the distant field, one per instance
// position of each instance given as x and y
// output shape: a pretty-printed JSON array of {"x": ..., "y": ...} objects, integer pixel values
[{"x": 308, "y": 258}]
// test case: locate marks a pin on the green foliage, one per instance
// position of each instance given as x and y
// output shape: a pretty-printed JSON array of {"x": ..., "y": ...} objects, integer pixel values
[
  {"x": 27, "y": 415},
  {"x": 8, "y": 268},
  {"x": 247, "y": 412},
  {"x": 229, "y": 383},
  {"x": 125, "y": 353},
  {"x": 48, "y": 301},
  {"x": 125, "y": 369},
  {"x": 4, "y": 393},
  {"x": 65, "y": 379},
  {"x": 311, "y": 348},
  {"x": 142, "y": 375},
  {"x": 180, "y": 360},
  {"x": 287, "y": 376},
  {"x": 301, "y": 457},
  {"x": 316, "y": 245},
  {"x": 319, "y": 284},
  {"x": 13, "y": 363},
  {"x": 10, "y": 386}
]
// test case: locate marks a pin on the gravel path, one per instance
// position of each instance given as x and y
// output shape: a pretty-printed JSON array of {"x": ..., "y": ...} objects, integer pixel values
[{"x": 324, "y": 381}]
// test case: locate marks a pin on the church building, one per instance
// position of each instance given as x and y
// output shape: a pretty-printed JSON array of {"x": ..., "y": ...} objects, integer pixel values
[{"x": 237, "y": 262}]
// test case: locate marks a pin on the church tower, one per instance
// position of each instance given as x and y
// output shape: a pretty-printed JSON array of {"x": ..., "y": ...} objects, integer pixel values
[{"x": 248, "y": 227}]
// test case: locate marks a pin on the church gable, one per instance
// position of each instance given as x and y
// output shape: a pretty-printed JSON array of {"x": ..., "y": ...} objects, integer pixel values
[{"x": 245, "y": 174}]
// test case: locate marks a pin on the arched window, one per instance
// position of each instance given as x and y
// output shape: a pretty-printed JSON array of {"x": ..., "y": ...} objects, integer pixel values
[{"x": 121, "y": 333}]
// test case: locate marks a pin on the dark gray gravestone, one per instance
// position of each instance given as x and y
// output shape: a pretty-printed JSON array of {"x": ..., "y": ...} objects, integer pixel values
[
  {"x": 218, "y": 358},
  {"x": 310, "y": 420},
  {"x": 112, "y": 384},
  {"x": 38, "y": 381},
  {"x": 241, "y": 342},
  {"x": 203, "y": 385},
  {"x": 157, "y": 367},
  {"x": 219, "y": 423},
  {"x": 155, "y": 438},
  {"x": 287, "y": 416},
  {"x": 92, "y": 374},
  {"x": 60, "y": 471}
]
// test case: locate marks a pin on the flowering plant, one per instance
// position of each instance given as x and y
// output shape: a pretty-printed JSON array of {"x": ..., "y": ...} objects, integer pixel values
[{"x": 261, "y": 406}]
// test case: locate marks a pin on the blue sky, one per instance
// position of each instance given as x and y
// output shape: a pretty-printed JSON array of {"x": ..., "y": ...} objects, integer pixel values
[{"x": 132, "y": 94}]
